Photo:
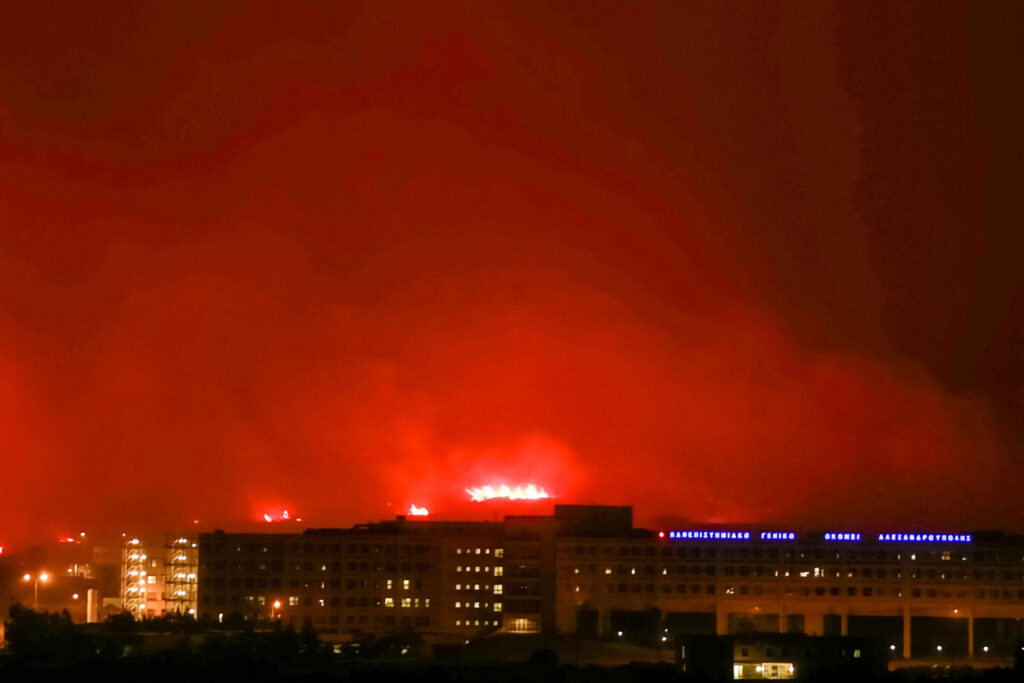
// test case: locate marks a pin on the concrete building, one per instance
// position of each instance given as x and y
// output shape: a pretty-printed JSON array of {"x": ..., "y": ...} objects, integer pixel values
[
  {"x": 159, "y": 575},
  {"x": 586, "y": 570}
]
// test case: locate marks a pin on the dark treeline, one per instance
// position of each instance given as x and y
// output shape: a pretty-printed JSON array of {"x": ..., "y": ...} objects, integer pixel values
[{"x": 48, "y": 646}]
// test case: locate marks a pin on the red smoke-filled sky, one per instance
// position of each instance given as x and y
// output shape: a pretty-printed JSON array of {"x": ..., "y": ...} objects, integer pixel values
[{"x": 723, "y": 262}]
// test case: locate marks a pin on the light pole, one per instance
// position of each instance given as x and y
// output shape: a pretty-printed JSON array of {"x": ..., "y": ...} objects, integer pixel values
[{"x": 41, "y": 576}]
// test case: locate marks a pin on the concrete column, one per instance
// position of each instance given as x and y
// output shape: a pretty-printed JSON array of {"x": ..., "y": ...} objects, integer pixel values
[
  {"x": 906, "y": 633},
  {"x": 970, "y": 633},
  {"x": 814, "y": 624},
  {"x": 721, "y": 620}
]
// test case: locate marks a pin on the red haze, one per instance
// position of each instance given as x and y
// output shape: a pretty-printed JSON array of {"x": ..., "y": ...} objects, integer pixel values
[{"x": 725, "y": 263}]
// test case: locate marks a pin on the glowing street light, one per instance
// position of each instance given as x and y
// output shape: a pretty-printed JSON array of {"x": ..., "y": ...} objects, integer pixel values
[
  {"x": 276, "y": 607},
  {"x": 41, "y": 576}
]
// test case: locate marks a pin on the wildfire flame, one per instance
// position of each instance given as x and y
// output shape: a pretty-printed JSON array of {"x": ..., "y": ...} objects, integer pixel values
[
  {"x": 528, "y": 492},
  {"x": 419, "y": 512},
  {"x": 272, "y": 516}
]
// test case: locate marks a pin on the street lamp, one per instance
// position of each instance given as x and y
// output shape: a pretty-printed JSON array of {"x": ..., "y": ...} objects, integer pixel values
[
  {"x": 273, "y": 612},
  {"x": 41, "y": 576}
]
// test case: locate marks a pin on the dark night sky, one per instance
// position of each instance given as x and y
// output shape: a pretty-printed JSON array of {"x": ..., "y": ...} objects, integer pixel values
[{"x": 722, "y": 261}]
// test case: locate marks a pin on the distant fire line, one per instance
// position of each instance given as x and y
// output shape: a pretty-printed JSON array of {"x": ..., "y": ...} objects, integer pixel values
[{"x": 527, "y": 492}]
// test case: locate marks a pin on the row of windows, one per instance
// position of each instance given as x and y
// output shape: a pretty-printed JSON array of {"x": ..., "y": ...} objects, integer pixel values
[
  {"x": 819, "y": 591},
  {"x": 306, "y": 601},
  {"x": 478, "y": 605},
  {"x": 477, "y": 622},
  {"x": 498, "y": 571},
  {"x": 470, "y": 587},
  {"x": 646, "y": 550},
  {"x": 498, "y": 552},
  {"x": 278, "y": 548},
  {"x": 309, "y": 566},
  {"x": 682, "y": 588},
  {"x": 810, "y": 572},
  {"x": 322, "y": 585},
  {"x": 848, "y": 554}
]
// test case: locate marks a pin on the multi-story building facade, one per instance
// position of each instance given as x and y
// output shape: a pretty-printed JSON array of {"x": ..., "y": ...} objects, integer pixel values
[
  {"x": 586, "y": 570},
  {"x": 159, "y": 576}
]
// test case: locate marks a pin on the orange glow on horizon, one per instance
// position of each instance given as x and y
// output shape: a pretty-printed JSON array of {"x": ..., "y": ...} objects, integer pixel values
[
  {"x": 529, "y": 492},
  {"x": 280, "y": 515},
  {"x": 418, "y": 511}
]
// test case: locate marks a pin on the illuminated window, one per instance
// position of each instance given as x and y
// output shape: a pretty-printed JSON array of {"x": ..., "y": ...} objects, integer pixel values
[
  {"x": 476, "y": 605},
  {"x": 478, "y": 551},
  {"x": 293, "y": 600},
  {"x": 389, "y": 602},
  {"x": 498, "y": 571},
  {"x": 497, "y": 607},
  {"x": 607, "y": 570},
  {"x": 406, "y": 602},
  {"x": 151, "y": 579},
  {"x": 458, "y": 605},
  {"x": 477, "y": 569},
  {"x": 499, "y": 552},
  {"x": 405, "y": 584},
  {"x": 458, "y": 551},
  {"x": 497, "y": 589}
]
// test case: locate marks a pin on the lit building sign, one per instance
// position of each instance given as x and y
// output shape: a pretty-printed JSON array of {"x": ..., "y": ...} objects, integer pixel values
[
  {"x": 925, "y": 538},
  {"x": 710, "y": 535},
  {"x": 842, "y": 536},
  {"x": 778, "y": 536}
]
